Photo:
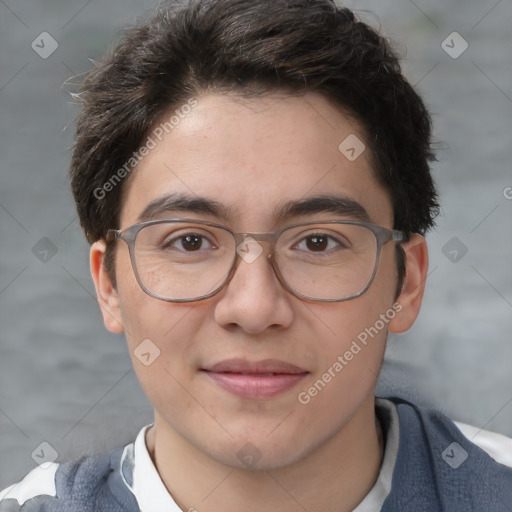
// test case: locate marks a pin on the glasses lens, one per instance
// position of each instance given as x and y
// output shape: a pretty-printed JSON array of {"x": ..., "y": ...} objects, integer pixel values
[
  {"x": 327, "y": 261},
  {"x": 182, "y": 260}
]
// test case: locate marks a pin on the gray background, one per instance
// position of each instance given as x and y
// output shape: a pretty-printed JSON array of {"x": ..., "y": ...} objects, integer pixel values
[{"x": 67, "y": 381}]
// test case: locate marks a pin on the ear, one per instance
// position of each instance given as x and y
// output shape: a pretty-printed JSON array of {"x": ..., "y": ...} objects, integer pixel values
[
  {"x": 410, "y": 298},
  {"x": 108, "y": 298}
]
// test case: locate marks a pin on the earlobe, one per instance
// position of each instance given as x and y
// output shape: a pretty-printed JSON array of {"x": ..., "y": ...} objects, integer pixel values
[
  {"x": 414, "y": 286},
  {"x": 108, "y": 298}
]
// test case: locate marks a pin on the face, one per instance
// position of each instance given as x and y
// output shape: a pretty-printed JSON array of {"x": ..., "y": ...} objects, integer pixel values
[{"x": 252, "y": 157}]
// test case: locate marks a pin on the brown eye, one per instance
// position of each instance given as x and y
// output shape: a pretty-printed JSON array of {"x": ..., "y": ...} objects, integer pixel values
[
  {"x": 317, "y": 242},
  {"x": 190, "y": 242}
]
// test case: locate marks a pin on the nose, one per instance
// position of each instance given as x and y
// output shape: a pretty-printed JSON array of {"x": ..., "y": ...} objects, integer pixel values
[{"x": 254, "y": 299}]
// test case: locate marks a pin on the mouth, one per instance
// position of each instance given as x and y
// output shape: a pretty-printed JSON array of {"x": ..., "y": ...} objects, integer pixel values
[{"x": 255, "y": 380}]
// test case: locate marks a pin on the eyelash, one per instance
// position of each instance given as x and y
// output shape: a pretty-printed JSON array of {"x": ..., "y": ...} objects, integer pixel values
[{"x": 171, "y": 242}]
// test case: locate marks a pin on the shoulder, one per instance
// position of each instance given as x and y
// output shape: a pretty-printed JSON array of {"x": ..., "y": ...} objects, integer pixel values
[
  {"x": 455, "y": 466},
  {"x": 438, "y": 429},
  {"x": 497, "y": 446},
  {"x": 39, "y": 482},
  {"x": 89, "y": 484}
]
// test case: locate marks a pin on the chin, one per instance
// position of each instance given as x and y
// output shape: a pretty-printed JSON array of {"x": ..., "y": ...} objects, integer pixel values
[{"x": 260, "y": 452}]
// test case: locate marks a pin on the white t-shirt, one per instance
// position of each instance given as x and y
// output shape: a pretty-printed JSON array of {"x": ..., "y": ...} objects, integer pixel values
[
  {"x": 152, "y": 495},
  {"x": 141, "y": 478}
]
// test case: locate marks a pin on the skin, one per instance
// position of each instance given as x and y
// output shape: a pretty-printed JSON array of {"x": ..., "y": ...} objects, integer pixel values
[{"x": 252, "y": 156}]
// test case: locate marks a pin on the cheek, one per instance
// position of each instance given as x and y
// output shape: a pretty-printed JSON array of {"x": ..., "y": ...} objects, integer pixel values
[
  {"x": 357, "y": 340},
  {"x": 386, "y": 278},
  {"x": 160, "y": 339},
  {"x": 168, "y": 327},
  {"x": 353, "y": 351},
  {"x": 160, "y": 335},
  {"x": 350, "y": 364}
]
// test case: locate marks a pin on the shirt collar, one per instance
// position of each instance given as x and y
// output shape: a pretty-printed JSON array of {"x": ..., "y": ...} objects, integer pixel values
[
  {"x": 141, "y": 477},
  {"x": 388, "y": 416}
]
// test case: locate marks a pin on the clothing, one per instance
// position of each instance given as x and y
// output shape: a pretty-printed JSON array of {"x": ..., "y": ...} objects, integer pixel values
[{"x": 429, "y": 465}]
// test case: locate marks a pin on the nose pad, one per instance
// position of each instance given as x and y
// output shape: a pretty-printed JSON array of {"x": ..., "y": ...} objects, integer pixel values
[
  {"x": 249, "y": 249},
  {"x": 254, "y": 298}
]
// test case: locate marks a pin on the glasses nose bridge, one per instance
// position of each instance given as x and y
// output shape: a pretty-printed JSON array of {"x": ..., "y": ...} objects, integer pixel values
[
  {"x": 266, "y": 238},
  {"x": 260, "y": 238}
]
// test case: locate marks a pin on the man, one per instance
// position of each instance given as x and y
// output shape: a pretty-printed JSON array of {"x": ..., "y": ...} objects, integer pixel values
[{"x": 254, "y": 179}]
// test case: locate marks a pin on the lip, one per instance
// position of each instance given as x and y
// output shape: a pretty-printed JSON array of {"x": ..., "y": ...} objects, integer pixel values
[{"x": 255, "y": 380}]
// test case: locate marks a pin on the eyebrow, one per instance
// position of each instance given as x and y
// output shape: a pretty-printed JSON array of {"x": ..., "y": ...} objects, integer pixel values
[
  {"x": 185, "y": 203},
  {"x": 329, "y": 203},
  {"x": 336, "y": 204}
]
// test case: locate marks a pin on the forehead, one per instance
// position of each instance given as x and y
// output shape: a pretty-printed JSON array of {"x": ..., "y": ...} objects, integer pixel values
[{"x": 254, "y": 160}]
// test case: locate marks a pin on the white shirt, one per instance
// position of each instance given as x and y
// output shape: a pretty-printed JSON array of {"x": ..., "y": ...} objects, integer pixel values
[
  {"x": 152, "y": 495},
  {"x": 142, "y": 479}
]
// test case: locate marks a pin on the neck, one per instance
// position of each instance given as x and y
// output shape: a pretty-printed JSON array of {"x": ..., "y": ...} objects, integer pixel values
[{"x": 336, "y": 476}]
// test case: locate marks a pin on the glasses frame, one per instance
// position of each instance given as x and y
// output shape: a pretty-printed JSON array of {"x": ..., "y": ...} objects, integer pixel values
[{"x": 128, "y": 235}]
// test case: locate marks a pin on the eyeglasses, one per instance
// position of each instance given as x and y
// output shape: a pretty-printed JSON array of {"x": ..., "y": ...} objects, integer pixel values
[{"x": 183, "y": 260}]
